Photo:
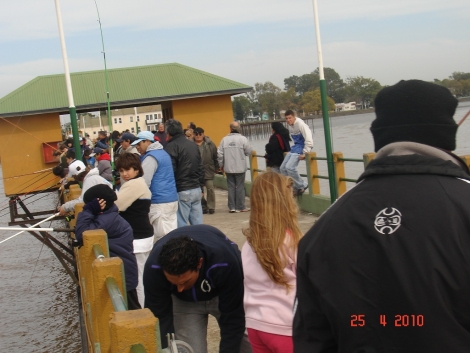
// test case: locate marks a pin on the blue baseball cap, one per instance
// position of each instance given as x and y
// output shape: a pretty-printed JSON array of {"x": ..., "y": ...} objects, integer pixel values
[{"x": 142, "y": 136}]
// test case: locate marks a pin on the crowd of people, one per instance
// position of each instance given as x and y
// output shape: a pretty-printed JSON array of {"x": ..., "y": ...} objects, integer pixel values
[{"x": 384, "y": 269}]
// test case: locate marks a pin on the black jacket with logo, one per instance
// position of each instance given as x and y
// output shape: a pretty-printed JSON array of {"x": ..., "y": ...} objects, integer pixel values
[{"x": 387, "y": 267}]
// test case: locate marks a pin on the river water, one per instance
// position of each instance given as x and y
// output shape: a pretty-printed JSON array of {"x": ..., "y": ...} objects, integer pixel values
[
  {"x": 351, "y": 136},
  {"x": 38, "y": 305}
]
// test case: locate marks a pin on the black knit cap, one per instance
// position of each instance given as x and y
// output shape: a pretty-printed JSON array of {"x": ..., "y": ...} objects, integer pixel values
[
  {"x": 101, "y": 191},
  {"x": 415, "y": 111}
]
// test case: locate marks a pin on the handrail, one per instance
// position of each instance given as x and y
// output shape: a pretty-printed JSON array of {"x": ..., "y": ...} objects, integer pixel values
[
  {"x": 98, "y": 251},
  {"x": 351, "y": 160},
  {"x": 312, "y": 170},
  {"x": 115, "y": 294}
]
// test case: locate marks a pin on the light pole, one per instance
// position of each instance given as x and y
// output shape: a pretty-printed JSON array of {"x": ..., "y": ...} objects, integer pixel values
[{"x": 324, "y": 105}]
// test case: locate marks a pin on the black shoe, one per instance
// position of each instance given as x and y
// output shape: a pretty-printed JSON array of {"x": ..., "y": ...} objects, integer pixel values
[
  {"x": 211, "y": 211},
  {"x": 204, "y": 212}
]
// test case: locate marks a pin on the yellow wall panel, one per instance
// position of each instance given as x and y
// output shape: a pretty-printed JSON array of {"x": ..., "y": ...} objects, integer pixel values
[
  {"x": 21, "y": 152},
  {"x": 214, "y": 114}
]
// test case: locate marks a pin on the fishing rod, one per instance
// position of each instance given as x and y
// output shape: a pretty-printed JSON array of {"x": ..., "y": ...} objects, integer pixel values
[
  {"x": 463, "y": 119},
  {"x": 66, "y": 230},
  {"x": 29, "y": 228},
  {"x": 110, "y": 124}
]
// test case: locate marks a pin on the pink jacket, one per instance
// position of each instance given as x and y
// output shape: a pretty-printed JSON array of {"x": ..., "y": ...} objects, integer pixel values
[{"x": 268, "y": 306}]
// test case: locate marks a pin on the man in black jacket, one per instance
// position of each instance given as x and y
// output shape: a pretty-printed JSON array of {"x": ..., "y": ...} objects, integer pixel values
[
  {"x": 192, "y": 272},
  {"x": 387, "y": 267},
  {"x": 189, "y": 174}
]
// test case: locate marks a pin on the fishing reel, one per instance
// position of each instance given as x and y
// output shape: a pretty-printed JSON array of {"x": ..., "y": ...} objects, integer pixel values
[{"x": 177, "y": 346}]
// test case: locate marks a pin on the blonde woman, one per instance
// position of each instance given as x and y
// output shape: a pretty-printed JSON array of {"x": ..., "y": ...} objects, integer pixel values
[{"x": 269, "y": 264}]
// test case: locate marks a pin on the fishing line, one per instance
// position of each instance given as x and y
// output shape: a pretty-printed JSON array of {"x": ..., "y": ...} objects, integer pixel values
[
  {"x": 30, "y": 196},
  {"x": 11, "y": 201},
  {"x": 35, "y": 191},
  {"x": 28, "y": 203},
  {"x": 26, "y": 198},
  {"x": 9, "y": 122},
  {"x": 32, "y": 181},
  {"x": 21, "y": 175}
]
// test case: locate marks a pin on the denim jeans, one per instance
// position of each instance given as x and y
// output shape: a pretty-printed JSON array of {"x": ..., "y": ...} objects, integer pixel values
[
  {"x": 289, "y": 168},
  {"x": 190, "y": 320},
  {"x": 236, "y": 191},
  {"x": 189, "y": 207}
]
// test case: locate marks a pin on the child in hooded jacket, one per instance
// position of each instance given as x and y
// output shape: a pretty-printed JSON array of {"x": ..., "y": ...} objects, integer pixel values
[{"x": 100, "y": 212}]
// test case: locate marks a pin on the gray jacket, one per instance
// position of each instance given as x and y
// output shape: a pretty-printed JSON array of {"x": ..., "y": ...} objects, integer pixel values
[{"x": 232, "y": 153}]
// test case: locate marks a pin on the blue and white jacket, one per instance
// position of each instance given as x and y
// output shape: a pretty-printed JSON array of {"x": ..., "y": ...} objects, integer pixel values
[
  {"x": 159, "y": 175},
  {"x": 221, "y": 275},
  {"x": 302, "y": 137}
]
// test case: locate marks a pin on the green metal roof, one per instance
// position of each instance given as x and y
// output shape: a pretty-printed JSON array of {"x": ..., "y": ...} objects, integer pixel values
[{"x": 128, "y": 87}]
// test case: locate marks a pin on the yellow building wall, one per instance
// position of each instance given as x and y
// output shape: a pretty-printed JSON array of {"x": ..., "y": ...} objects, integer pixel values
[
  {"x": 213, "y": 114},
  {"x": 21, "y": 140}
]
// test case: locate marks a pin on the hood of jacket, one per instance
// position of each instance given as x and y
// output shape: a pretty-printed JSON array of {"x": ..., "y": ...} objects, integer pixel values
[
  {"x": 105, "y": 157},
  {"x": 415, "y": 158},
  {"x": 154, "y": 146}
]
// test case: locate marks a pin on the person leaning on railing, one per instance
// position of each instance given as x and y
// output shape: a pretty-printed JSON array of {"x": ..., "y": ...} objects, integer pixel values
[{"x": 100, "y": 212}]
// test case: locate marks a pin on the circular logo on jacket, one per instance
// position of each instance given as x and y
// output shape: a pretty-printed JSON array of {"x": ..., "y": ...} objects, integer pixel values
[{"x": 388, "y": 220}]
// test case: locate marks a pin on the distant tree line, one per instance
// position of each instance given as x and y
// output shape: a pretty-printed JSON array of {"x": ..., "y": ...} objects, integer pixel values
[
  {"x": 458, "y": 83},
  {"x": 302, "y": 93}
]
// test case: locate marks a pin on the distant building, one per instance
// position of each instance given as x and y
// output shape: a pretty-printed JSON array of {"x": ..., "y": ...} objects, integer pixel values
[{"x": 345, "y": 106}]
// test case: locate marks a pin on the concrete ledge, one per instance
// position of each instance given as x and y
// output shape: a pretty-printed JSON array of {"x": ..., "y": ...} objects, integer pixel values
[{"x": 316, "y": 204}]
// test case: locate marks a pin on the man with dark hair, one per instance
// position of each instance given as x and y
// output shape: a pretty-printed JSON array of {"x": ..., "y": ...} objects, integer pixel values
[
  {"x": 158, "y": 175},
  {"x": 208, "y": 152},
  {"x": 192, "y": 272},
  {"x": 189, "y": 174},
  {"x": 231, "y": 155},
  {"x": 303, "y": 143},
  {"x": 386, "y": 268}
]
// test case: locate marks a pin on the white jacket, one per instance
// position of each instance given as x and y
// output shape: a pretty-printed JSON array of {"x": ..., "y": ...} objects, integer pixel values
[
  {"x": 92, "y": 178},
  {"x": 232, "y": 153}
]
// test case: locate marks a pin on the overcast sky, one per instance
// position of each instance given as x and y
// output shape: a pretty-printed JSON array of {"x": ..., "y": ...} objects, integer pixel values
[{"x": 246, "y": 40}]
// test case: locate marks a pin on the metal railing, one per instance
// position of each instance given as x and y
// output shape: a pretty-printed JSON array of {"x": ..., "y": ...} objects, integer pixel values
[{"x": 313, "y": 175}]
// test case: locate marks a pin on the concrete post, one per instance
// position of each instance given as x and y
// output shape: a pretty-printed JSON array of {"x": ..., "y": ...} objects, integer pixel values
[
  {"x": 367, "y": 157},
  {"x": 312, "y": 170},
  {"x": 101, "y": 303},
  {"x": 132, "y": 328},
  {"x": 85, "y": 257},
  {"x": 339, "y": 172},
  {"x": 253, "y": 166}
]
